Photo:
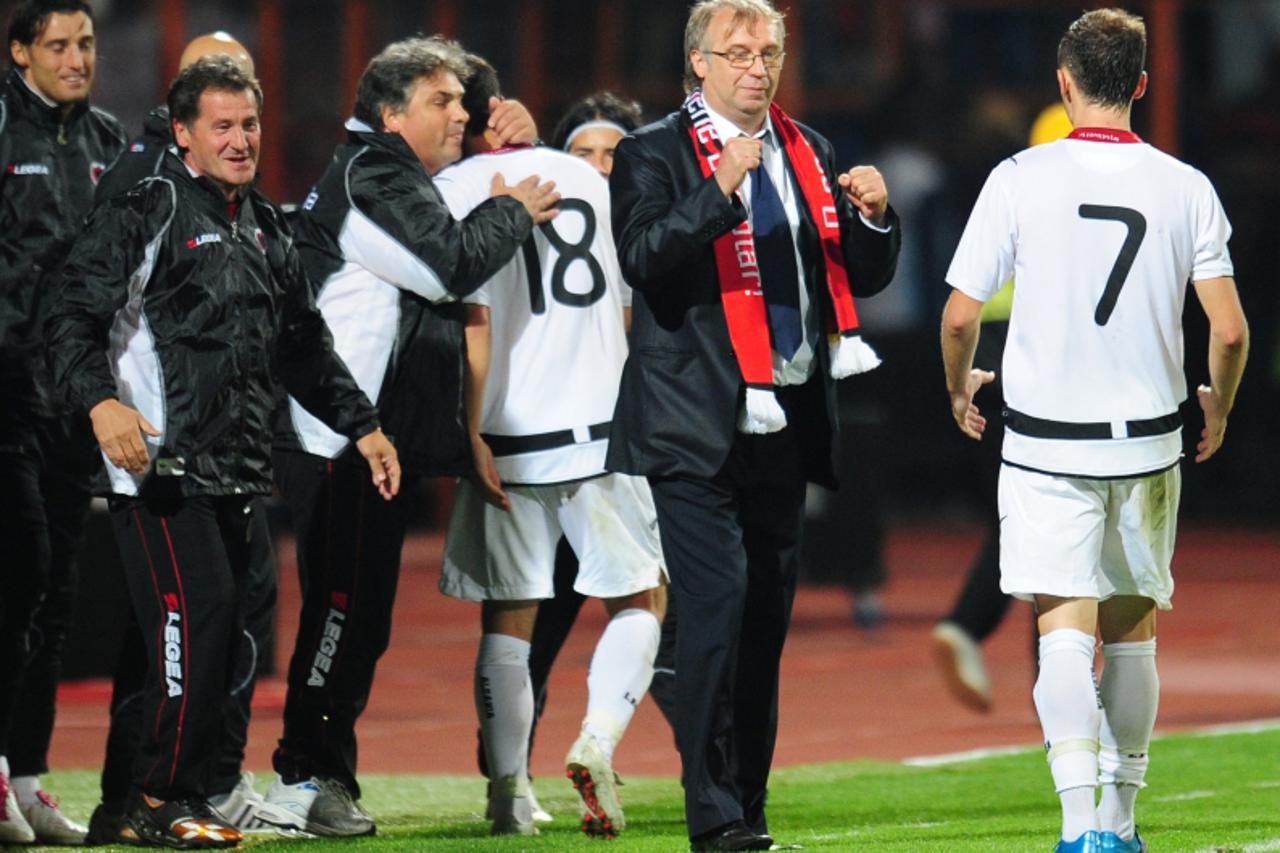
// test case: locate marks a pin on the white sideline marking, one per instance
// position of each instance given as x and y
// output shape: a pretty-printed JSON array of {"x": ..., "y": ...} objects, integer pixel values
[
  {"x": 1247, "y": 727},
  {"x": 1186, "y": 795},
  {"x": 1257, "y": 847},
  {"x": 961, "y": 757}
]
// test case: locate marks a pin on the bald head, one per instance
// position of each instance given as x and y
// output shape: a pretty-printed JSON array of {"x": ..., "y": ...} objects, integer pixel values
[{"x": 213, "y": 44}]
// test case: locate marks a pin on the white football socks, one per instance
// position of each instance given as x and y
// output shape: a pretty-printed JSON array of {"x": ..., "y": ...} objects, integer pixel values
[
  {"x": 620, "y": 672},
  {"x": 25, "y": 789},
  {"x": 504, "y": 704},
  {"x": 1130, "y": 691},
  {"x": 1066, "y": 699}
]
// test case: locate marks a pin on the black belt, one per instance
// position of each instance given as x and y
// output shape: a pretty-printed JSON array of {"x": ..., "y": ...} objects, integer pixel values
[
  {"x": 511, "y": 445},
  {"x": 1044, "y": 428}
]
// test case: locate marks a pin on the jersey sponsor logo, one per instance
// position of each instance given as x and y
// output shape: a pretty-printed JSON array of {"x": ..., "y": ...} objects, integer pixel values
[
  {"x": 197, "y": 242},
  {"x": 28, "y": 169},
  {"x": 172, "y": 646},
  {"x": 96, "y": 171},
  {"x": 329, "y": 640},
  {"x": 312, "y": 198}
]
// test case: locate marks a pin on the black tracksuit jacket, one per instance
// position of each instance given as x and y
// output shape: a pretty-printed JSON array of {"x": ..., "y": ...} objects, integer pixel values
[
  {"x": 49, "y": 166},
  {"x": 189, "y": 315}
]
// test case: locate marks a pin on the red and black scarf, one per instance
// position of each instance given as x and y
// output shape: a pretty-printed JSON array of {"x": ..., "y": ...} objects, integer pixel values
[{"x": 740, "y": 291}]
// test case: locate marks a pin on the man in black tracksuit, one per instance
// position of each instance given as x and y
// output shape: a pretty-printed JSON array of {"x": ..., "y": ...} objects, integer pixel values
[
  {"x": 53, "y": 148},
  {"x": 389, "y": 263},
  {"x": 230, "y": 791},
  {"x": 179, "y": 307}
]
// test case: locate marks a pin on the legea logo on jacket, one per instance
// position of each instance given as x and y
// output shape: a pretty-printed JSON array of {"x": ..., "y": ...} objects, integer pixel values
[
  {"x": 197, "y": 242},
  {"x": 28, "y": 169}
]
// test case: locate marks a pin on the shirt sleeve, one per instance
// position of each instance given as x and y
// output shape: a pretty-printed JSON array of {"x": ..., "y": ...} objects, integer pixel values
[
  {"x": 1213, "y": 260},
  {"x": 984, "y": 259}
]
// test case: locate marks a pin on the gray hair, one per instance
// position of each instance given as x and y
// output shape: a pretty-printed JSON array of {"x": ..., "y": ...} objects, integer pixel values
[
  {"x": 744, "y": 12},
  {"x": 391, "y": 77}
]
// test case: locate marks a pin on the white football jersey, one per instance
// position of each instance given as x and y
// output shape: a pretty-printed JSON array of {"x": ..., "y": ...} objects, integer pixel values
[
  {"x": 556, "y": 313},
  {"x": 1102, "y": 234}
]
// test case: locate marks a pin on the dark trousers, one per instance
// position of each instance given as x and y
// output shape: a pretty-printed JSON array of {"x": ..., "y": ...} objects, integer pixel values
[
  {"x": 128, "y": 683},
  {"x": 349, "y": 542},
  {"x": 47, "y": 465},
  {"x": 187, "y": 565},
  {"x": 732, "y": 547}
]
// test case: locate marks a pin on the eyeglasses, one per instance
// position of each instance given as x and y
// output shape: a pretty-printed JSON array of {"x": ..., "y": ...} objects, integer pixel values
[{"x": 743, "y": 59}]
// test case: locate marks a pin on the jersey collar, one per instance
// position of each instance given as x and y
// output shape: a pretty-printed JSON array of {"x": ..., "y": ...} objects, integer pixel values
[{"x": 1104, "y": 134}]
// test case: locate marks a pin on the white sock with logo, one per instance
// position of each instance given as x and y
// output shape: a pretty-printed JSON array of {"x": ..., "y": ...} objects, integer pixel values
[
  {"x": 25, "y": 789},
  {"x": 1130, "y": 691},
  {"x": 1066, "y": 699},
  {"x": 620, "y": 672},
  {"x": 504, "y": 703}
]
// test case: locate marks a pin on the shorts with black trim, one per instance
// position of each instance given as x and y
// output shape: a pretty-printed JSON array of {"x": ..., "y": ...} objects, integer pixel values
[
  {"x": 609, "y": 521},
  {"x": 1073, "y": 537}
]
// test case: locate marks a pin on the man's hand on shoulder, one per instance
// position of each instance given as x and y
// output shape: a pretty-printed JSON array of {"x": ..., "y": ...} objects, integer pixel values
[
  {"x": 865, "y": 188},
  {"x": 383, "y": 461},
  {"x": 119, "y": 430},
  {"x": 512, "y": 122},
  {"x": 740, "y": 155},
  {"x": 539, "y": 198}
]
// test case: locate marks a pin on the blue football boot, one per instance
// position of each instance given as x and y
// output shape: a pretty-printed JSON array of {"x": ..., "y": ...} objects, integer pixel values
[
  {"x": 1089, "y": 842},
  {"x": 1113, "y": 843}
]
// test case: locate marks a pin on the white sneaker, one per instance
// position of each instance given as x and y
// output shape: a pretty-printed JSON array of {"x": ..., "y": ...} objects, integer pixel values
[
  {"x": 963, "y": 667},
  {"x": 14, "y": 828},
  {"x": 245, "y": 809},
  {"x": 593, "y": 778},
  {"x": 510, "y": 807},
  {"x": 325, "y": 807},
  {"x": 50, "y": 825}
]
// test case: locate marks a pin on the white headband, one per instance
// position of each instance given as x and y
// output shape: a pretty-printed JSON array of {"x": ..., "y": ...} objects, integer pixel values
[{"x": 591, "y": 125}]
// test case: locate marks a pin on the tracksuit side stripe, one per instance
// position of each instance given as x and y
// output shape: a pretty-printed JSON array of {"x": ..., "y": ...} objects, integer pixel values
[{"x": 155, "y": 583}]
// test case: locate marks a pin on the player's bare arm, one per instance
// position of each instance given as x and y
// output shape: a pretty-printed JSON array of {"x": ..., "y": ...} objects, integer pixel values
[
  {"x": 1228, "y": 351},
  {"x": 539, "y": 198},
  {"x": 865, "y": 188},
  {"x": 119, "y": 430},
  {"x": 479, "y": 334},
  {"x": 960, "y": 328}
]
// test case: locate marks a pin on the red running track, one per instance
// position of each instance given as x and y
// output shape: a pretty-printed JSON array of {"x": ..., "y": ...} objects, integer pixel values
[{"x": 846, "y": 693}]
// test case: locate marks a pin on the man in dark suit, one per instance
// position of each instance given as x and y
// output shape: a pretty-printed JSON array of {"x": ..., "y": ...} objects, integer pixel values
[{"x": 744, "y": 262}]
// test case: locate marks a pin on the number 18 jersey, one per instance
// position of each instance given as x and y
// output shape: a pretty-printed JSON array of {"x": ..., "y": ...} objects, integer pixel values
[
  {"x": 1101, "y": 234},
  {"x": 556, "y": 315}
]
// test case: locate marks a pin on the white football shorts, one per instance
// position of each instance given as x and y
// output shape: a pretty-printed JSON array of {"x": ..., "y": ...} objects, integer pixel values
[
  {"x": 610, "y": 522},
  {"x": 1088, "y": 538}
]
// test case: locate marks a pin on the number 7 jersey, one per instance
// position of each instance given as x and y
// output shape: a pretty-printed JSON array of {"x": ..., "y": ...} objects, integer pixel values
[
  {"x": 556, "y": 315},
  {"x": 1101, "y": 234}
]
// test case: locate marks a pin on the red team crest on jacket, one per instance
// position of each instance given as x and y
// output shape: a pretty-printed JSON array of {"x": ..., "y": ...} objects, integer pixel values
[{"x": 96, "y": 171}]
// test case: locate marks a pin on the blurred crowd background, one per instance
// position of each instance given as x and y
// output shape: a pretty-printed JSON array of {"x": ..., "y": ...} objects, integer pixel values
[{"x": 934, "y": 92}]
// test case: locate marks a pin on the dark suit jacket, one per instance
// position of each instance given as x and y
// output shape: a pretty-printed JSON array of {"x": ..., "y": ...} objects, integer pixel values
[{"x": 681, "y": 387}]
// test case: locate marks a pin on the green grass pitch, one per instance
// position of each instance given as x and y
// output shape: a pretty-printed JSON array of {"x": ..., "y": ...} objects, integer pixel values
[{"x": 1217, "y": 793}]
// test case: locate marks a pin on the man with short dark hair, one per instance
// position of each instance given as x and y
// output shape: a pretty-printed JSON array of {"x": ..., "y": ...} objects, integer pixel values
[
  {"x": 1102, "y": 233},
  {"x": 745, "y": 247},
  {"x": 53, "y": 148},
  {"x": 388, "y": 263},
  {"x": 192, "y": 283},
  {"x": 231, "y": 789}
]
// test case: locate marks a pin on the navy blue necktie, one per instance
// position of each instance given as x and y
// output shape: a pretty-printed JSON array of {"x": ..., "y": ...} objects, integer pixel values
[{"x": 776, "y": 256}]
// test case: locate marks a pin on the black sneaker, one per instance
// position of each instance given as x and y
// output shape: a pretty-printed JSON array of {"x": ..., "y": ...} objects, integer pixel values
[
  {"x": 186, "y": 824},
  {"x": 104, "y": 826}
]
